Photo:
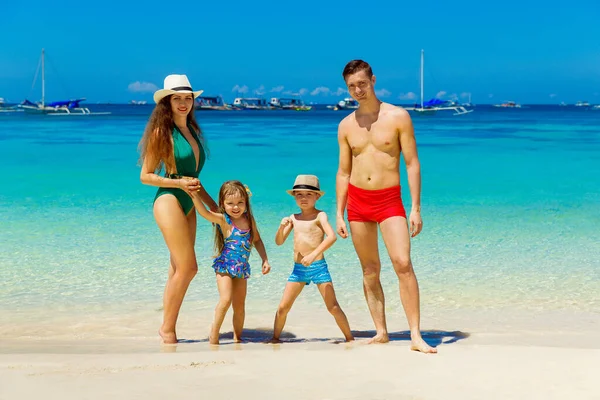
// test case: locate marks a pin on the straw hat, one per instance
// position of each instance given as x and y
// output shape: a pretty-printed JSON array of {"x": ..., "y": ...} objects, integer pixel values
[
  {"x": 175, "y": 84},
  {"x": 307, "y": 183}
]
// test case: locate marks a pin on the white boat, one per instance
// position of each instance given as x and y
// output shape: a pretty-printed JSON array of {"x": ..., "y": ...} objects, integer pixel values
[
  {"x": 582, "y": 104},
  {"x": 347, "y": 104},
  {"x": 65, "y": 107},
  {"x": 251, "y": 103},
  {"x": 292, "y": 103},
  {"x": 5, "y": 109},
  {"x": 434, "y": 105},
  {"x": 508, "y": 104}
]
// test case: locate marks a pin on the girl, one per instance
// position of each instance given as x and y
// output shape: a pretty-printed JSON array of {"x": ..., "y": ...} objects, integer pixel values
[
  {"x": 235, "y": 234},
  {"x": 173, "y": 141}
]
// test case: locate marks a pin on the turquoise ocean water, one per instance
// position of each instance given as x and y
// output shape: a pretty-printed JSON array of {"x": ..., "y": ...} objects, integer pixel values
[{"x": 510, "y": 199}]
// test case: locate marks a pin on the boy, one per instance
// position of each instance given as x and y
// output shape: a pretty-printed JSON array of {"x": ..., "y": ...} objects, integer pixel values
[{"x": 310, "y": 226}]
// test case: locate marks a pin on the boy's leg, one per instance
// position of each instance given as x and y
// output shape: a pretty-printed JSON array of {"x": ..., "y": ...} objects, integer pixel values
[
  {"x": 224, "y": 284},
  {"x": 334, "y": 308},
  {"x": 291, "y": 292},
  {"x": 238, "y": 303}
]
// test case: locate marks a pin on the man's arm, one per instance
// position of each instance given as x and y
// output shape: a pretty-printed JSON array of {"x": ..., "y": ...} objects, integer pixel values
[
  {"x": 343, "y": 174},
  {"x": 413, "y": 168}
]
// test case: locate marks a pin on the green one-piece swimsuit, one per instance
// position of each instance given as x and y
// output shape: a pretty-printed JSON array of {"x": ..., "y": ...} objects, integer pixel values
[{"x": 185, "y": 162}]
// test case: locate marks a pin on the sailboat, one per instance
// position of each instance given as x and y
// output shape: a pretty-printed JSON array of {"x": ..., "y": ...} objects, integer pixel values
[
  {"x": 64, "y": 107},
  {"x": 435, "y": 104}
]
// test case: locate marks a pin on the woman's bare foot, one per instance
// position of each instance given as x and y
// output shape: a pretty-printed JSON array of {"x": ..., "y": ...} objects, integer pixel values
[
  {"x": 238, "y": 339},
  {"x": 167, "y": 337},
  {"x": 274, "y": 341},
  {"x": 379, "y": 338},
  {"x": 420, "y": 345}
]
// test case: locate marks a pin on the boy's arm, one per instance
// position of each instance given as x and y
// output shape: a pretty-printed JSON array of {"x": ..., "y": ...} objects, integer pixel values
[
  {"x": 329, "y": 240},
  {"x": 285, "y": 227},
  {"x": 216, "y": 218}
]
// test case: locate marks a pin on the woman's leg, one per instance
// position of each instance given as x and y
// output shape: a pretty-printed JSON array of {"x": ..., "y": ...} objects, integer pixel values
[{"x": 175, "y": 228}]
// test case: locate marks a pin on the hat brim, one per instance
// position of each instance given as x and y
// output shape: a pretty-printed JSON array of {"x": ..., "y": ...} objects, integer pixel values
[
  {"x": 291, "y": 191},
  {"x": 161, "y": 93}
]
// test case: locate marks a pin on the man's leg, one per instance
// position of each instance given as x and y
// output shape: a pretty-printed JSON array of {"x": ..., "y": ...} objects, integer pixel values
[
  {"x": 364, "y": 237},
  {"x": 396, "y": 238}
]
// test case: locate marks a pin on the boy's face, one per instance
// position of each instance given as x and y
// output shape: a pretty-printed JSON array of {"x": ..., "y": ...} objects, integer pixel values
[{"x": 306, "y": 199}]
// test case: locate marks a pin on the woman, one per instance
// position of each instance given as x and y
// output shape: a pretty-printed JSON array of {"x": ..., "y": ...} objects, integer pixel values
[{"x": 173, "y": 141}]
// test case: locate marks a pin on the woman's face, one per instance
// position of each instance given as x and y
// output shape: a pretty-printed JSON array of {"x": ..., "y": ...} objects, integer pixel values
[{"x": 182, "y": 104}]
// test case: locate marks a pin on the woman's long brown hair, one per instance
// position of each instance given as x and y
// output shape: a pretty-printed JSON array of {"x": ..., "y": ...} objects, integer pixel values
[
  {"x": 232, "y": 188},
  {"x": 156, "y": 144}
]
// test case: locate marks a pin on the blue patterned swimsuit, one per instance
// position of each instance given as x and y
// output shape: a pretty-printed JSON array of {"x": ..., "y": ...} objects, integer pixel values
[{"x": 233, "y": 259}]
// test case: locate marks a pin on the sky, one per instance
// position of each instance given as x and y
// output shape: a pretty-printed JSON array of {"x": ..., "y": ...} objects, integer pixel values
[{"x": 529, "y": 51}]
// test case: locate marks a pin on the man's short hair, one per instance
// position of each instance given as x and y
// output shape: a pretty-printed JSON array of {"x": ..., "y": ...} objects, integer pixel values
[{"x": 355, "y": 66}]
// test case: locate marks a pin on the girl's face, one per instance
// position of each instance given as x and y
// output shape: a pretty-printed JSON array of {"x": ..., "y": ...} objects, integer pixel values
[
  {"x": 235, "y": 205},
  {"x": 181, "y": 104}
]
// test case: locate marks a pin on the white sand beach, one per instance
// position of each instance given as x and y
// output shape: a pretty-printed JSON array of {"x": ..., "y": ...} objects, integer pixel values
[{"x": 486, "y": 363}]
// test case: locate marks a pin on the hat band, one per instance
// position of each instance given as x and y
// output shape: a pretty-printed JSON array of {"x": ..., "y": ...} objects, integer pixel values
[
  {"x": 309, "y": 187},
  {"x": 182, "y": 88}
]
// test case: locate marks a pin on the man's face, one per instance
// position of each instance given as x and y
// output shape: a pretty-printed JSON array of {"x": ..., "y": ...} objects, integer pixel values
[{"x": 360, "y": 86}]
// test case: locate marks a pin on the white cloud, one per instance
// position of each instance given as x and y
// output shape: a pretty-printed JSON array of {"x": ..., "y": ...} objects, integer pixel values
[
  {"x": 142, "y": 87},
  {"x": 407, "y": 96},
  {"x": 277, "y": 89},
  {"x": 440, "y": 94},
  {"x": 240, "y": 89},
  {"x": 320, "y": 90},
  {"x": 340, "y": 91},
  {"x": 383, "y": 93},
  {"x": 553, "y": 95},
  {"x": 260, "y": 90},
  {"x": 303, "y": 91}
]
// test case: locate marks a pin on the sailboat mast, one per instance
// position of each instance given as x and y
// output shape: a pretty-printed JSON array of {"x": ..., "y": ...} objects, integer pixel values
[
  {"x": 422, "y": 62},
  {"x": 43, "y": 81}
]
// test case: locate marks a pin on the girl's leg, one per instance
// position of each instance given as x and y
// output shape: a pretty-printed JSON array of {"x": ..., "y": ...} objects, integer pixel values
[
  {"x": 176, "y": 231},
  {"x": 334, "y": 308},
  {"x": 224, "y": 284},
  {"x": 238, "y": 303},
  {"x": 291, "y": 292}
]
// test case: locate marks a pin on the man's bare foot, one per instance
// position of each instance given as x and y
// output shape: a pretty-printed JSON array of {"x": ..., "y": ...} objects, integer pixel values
[
  {"x": 167, "y": 337},
  {"x": 379, "y": 338},
  {"x": 420, "y": 345}
]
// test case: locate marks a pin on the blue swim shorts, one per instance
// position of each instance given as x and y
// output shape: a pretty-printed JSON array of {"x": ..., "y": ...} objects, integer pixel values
[{"x": 316, "y": 272}]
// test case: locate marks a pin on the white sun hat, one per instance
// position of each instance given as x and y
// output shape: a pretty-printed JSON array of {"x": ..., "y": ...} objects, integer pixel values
[{"x": 175, "y": 84}]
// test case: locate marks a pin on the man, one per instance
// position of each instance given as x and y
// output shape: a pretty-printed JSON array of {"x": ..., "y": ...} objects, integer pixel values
[{"x": 371, "y": 140}]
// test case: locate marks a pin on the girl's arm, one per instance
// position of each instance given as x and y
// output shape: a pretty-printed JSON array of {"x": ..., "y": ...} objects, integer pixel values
[
  {"x": 285, "y": 227},
  {"x": 262, "y": 252},
  {"x": 206, "y": 199},
  {"x": 211, "y": 216}
]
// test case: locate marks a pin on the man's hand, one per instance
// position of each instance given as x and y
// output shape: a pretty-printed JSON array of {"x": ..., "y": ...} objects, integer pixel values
[
  {"x": 416, "y": 223},
  {"x": 341, "y": 227}
]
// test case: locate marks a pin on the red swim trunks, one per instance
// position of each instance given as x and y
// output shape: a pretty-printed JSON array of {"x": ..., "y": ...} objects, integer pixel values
[{"x": 374, "y": 205}]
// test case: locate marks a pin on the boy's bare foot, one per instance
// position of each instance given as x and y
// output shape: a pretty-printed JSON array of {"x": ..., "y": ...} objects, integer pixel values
[
  {"x": 167, "y": 337},
  {"x": 379, "y": 338},
  {"x": 420, "y": 345}
]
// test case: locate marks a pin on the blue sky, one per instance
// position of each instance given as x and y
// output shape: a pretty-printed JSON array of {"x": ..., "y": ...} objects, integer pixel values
[{"x": 527, "y": 51}]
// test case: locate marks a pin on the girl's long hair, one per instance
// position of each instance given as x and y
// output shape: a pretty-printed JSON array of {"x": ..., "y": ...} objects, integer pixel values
[
  {"x": 156, "y": 143},
  {"x": 233, "y": 188}
]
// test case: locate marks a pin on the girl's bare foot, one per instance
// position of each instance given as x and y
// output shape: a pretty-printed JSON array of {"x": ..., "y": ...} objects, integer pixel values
[{"x": 167, "y": 337}]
